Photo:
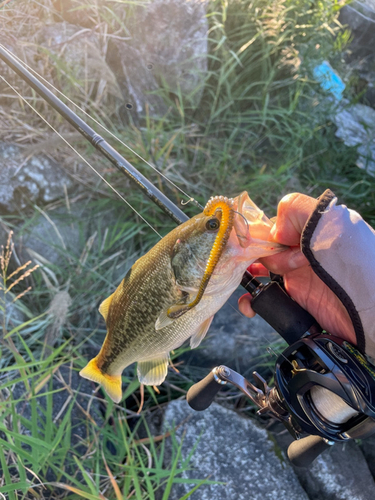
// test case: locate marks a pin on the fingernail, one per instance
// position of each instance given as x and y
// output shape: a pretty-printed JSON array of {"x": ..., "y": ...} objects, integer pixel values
[
  {"x": 297, "y": 259},
  {"x": 273, "y": 231}
]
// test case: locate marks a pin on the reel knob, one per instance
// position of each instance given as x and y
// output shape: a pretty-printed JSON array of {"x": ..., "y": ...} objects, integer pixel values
[
  {"x": 201, "y": 395},
  {"x": 303, "y": 452}
]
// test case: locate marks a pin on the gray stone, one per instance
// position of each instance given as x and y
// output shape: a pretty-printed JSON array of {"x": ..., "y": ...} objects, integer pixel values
[
  {"x": 356, "y": 127},
  {"x": 167, "y": 49},
  {"x": 360, "y": 18},
  {"x": 368, "y": 449},
  {"x": 27, "y": 181},
  {"x": 54, "y": 239},
  {"x": 231, "y": 449},
  {"x": 58, "y": 236},
  {"x": 81, "y": 59},
  {"x": 234, "y": 340},
  {"x": 13, "y": 315},
  {"x": 340, "y": 473},
  {"x": 359, "y": 55}
]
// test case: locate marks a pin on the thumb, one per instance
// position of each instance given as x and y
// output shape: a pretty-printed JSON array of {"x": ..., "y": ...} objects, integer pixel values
[{"x": 292, "y": 214}]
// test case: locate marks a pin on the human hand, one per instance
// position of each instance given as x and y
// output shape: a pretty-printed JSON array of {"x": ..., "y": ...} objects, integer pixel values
[{"x": 300, "y": 281}]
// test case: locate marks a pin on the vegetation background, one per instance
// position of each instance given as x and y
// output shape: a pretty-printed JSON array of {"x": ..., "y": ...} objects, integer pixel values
[{"x": 262, "y": 125}]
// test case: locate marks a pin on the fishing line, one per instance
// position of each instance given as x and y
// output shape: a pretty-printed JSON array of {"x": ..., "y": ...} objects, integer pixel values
[
  {"x": 80, "y": 156},
  {"x": 190, "y": 199}
]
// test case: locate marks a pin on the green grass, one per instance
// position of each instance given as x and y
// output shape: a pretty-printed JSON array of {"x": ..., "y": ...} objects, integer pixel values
[
  {"x": 263, "y": 125},
  {"x": 39, "y": 460}
]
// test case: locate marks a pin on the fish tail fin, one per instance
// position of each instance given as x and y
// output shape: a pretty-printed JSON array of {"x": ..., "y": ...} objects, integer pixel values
[{"x": 110, "y": 383}]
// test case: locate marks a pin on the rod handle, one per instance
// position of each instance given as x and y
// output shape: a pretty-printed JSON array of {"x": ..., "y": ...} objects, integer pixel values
[
  {"x": 201, "y": 394},
  {"x": 274, "y": 305},
  {"x": 303, "y": 452}
]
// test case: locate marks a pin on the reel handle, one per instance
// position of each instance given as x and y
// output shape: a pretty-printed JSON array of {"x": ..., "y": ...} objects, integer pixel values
[
  {"x": 303, "y": 452},
  {"x": 201, "y": 394}
]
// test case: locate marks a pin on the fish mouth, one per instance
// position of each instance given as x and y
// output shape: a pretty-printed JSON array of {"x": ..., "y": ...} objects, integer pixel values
[{"x": 252, "y": 225}]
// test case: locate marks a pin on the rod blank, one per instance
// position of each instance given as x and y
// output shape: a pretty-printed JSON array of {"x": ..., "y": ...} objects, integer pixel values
[{"x": 96, "y": 140}]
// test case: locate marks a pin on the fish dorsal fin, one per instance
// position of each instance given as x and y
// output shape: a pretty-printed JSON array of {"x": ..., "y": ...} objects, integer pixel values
[
  {"x": 153, "y": 371},
  {"x": 104, "y": 306},
  {"x": 199, "y": 335}
]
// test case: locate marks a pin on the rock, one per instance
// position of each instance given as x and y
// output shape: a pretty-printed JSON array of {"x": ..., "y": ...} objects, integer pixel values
[
  {"x": 59, "y": 236},
  {"x": 167, "y": 49},
  {"x": 27, "y": 181},
  {"x": 356, "y": 127},
  {"x": 360, "y": 18},
  {"x": 53, "y": 240},
  {"x": 14, "y": 315},
  {"x": 79, "y": 60},
  {"x": 231, "y": 449},
  {"x": 234, "y": 340},
  {"x": 367, "y": 447},
  {"x": 340, "y": 473},
  {"x": 360, "y": 54}
]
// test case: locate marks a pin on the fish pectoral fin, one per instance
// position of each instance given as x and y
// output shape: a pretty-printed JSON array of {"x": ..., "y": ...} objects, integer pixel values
[
  {"x": 163, "y": 320},
  {"x": 104, "y": 306},
  {"x": 166, "y": 318},
  {"x": 153, "y": 371},
  {"x": 111, "y": 383},
  {"x": 199, "y": 335},
  {"x": 191, "y": 290}
]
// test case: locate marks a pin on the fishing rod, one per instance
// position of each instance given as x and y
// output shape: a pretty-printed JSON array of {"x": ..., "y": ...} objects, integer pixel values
[
  {"x": 272, "y": 294},
  {"x": 324, "y": 388},
  {"x": 96, "y": 140}
]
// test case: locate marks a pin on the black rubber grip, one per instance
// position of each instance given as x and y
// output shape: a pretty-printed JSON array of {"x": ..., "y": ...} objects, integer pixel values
[
  {"x": 304, "y": 451},
  {"x": 201, "y": 395},
  {"x": 280, "y": 311}
]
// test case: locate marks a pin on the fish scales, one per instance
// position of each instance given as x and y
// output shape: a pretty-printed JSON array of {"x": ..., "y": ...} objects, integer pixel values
[
  {"x": 150, "y": 282},
  {"x": 173, "y": 292}
]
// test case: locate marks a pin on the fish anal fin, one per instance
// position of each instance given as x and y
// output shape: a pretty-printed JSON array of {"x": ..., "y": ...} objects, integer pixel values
[
  {"x": 153, "y": 371},
  {"x": 199, "y": 335},
  {"x": 104, "y": 306},
  {"x": 111, "y": 383}
]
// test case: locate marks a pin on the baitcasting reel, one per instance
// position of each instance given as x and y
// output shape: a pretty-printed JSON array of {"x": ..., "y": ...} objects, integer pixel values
[{"x": 324, "y": 388}]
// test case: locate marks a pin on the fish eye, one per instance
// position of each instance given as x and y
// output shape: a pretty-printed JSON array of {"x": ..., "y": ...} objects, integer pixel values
[{"x": 213, "y": 224}]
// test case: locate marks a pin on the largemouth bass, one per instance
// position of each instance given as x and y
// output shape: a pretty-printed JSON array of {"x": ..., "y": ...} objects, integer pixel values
[{"x": 173, "y": 292}]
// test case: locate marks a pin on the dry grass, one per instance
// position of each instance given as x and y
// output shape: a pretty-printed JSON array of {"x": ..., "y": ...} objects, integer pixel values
[
  {"x": 11, "y": 280},
  {"x": 67, "y": 56}
]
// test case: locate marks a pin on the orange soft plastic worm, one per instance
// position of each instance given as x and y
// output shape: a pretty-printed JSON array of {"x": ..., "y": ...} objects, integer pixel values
[{"x": 215, "y": 204}]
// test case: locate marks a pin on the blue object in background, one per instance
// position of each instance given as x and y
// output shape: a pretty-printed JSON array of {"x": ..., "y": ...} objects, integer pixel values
[{"x": 329, "y": 80}]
